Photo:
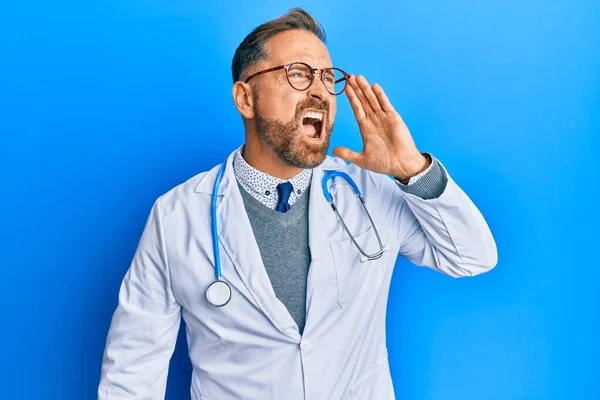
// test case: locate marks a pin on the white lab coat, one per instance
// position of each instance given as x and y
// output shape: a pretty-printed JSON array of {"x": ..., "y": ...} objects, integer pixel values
[{"x": 251, "y": 348}]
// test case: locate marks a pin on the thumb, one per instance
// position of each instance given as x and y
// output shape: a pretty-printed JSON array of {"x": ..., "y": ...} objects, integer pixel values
[{"x": 348, "y": 155}]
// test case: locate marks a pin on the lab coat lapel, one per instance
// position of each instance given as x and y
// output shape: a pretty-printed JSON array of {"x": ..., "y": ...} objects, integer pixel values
[
  {"x": 238, "y": 241},
  {"x": 323, "y": 223},
  {"x": 322, "y": 227},
  {"x": 321, "y": 217}
]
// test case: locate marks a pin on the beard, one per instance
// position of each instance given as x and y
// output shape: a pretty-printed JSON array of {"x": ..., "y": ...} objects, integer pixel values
[{"x": 287, "y": 140}]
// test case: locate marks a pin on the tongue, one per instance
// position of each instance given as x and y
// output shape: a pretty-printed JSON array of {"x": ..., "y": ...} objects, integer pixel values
[{"x": 309, "y": 130}]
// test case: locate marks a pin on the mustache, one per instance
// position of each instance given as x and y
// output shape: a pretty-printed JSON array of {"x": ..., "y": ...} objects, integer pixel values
[{"x": 311, "y": 103}]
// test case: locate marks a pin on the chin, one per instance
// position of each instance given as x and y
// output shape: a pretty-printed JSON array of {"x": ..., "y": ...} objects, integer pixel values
[
  {"x": 308, "y": 155},
  {"x": 312, "y": 162}
]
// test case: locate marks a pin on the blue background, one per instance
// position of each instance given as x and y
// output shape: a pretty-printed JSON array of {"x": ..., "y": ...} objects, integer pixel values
[{"x": 106, "y": 105}]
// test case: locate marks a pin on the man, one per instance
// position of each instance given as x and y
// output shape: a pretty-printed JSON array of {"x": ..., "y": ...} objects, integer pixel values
[{"x": 306, "y": 316}]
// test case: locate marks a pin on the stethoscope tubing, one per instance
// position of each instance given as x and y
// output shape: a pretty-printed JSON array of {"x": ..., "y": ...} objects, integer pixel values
[
  {"x": 219, "y": 285},
  {"x": 215, "y": 233},
  {"x": 357, "y": 193}
]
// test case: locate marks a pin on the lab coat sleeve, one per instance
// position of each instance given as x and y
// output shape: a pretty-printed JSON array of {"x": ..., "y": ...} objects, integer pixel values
[
  {"x": 145, "y": 324},
  {"x": 441, "y": 228}
]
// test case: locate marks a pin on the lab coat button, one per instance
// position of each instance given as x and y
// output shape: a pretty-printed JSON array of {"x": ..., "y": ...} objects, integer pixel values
[{"x": 304, "y": 345}]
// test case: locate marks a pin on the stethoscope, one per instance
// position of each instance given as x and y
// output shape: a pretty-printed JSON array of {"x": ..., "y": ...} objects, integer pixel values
[{"x": 218, "y": 292}]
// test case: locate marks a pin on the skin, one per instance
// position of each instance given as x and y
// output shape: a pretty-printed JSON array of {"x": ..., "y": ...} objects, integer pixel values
[{"x": 272, "y": 111}]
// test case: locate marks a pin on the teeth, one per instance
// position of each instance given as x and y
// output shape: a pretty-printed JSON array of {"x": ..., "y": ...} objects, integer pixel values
[{"x": 314, "y": 115}]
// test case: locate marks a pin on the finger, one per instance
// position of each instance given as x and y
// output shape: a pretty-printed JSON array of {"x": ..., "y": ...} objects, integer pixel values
[
  {"x": 366, "y": 106},
  {"x": 348, "y": 155},
  {"x": 385, "y": 103},
  {"x": 368, "y": 92},
  {"x": 355, "y": 103}
]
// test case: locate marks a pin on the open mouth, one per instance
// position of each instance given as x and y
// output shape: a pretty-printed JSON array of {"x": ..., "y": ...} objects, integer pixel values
[{"x": 312, "y": 124}]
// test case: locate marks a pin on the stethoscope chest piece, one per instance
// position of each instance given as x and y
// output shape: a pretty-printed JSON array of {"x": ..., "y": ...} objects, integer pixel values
[{"x": 218, "y": 293}]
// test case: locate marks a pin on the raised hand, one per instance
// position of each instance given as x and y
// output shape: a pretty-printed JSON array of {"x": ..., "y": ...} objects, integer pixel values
[{"x": 388, "y": 147}]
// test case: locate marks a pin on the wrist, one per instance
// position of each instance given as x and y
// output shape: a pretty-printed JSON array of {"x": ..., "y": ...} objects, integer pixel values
[{"x": 413, "y": 167}]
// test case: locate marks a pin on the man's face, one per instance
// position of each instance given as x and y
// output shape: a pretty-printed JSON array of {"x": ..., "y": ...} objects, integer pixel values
[{"x": 281, "y": 111}]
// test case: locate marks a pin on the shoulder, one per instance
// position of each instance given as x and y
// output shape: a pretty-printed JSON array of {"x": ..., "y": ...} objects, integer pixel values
[
  {"x": 364, "y": 178},
  {"x": 377, "y": 189},
  {"x": 191, "y": 193}
]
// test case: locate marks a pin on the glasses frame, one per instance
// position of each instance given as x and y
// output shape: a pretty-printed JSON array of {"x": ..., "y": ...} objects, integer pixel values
[{"x": 313, "y": 70}]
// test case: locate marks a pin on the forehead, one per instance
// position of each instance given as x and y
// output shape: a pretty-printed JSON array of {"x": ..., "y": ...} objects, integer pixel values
[{"x": 297, "y": 45}]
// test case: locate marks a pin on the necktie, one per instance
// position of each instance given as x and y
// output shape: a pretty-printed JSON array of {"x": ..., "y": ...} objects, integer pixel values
[{"x": 284, "y": 190}]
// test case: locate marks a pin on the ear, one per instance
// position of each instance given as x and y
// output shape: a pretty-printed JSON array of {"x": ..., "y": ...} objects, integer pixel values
[{"x": 243, "y": 99}]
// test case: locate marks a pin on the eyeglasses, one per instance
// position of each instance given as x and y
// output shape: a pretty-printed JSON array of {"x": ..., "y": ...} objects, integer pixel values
[{"x": 301, "y": 75}]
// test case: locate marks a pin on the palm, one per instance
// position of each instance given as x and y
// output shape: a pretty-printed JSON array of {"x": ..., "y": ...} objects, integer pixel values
[{"x": 387, "y": 143}]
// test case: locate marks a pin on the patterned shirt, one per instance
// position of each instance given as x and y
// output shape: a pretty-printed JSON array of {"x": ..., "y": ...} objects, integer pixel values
[{"x": 263, "y": 187}]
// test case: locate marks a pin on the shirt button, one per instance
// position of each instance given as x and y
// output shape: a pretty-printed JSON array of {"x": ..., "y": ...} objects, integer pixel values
[
  {"x": 299, "y": 191},
  {"x": 268, "y": 193}
]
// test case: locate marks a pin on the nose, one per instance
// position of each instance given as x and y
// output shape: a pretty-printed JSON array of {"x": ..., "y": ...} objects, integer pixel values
[{"x": 317, "y": 89}]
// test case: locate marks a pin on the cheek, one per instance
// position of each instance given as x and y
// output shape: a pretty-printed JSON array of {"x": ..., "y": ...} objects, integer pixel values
[
  {"x": 284, "y": 100},
  {"x": 332, "y": 111},
  {"x": 286, "y": 105},
  {"x": 279, "y": 106}
]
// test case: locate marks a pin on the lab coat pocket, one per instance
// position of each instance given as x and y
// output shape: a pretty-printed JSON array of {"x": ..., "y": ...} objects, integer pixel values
[
  {"x": 356, "y": 276},
  {"x": 375, "y": 385}
]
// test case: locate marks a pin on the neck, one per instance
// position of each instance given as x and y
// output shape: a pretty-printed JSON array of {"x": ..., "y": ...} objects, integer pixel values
[{"x": 265, "y": 160}]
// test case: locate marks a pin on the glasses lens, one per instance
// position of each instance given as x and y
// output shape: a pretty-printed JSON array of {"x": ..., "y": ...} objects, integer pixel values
[
  {"x": 335, "y": 80},
  {"x": 300, "y": 76}
]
